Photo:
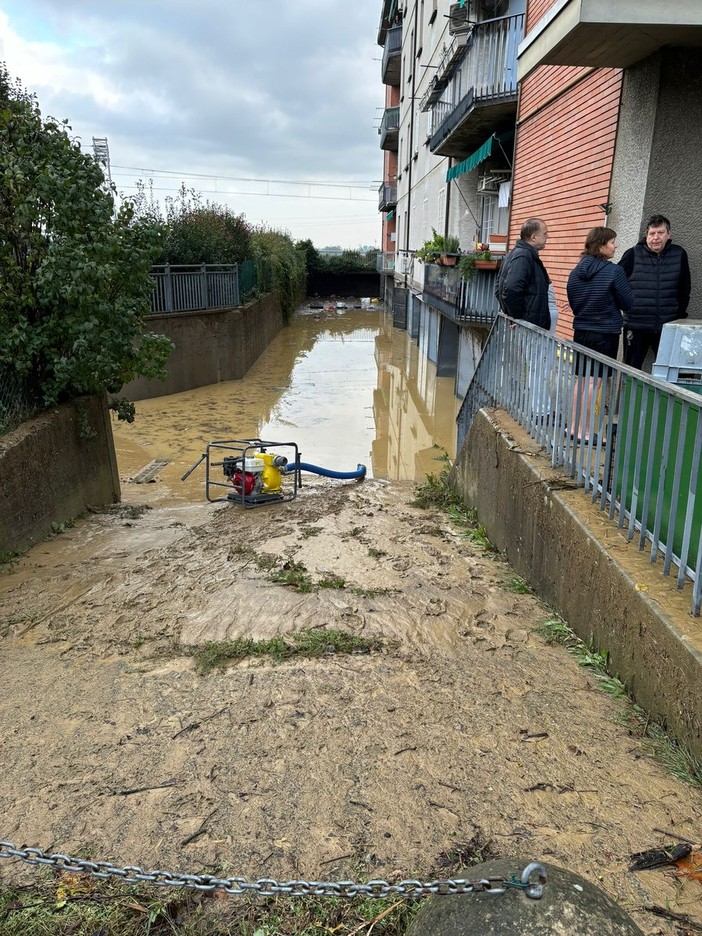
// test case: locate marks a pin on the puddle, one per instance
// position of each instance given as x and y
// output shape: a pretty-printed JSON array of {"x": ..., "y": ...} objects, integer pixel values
[{"x": 344, "y": 385}]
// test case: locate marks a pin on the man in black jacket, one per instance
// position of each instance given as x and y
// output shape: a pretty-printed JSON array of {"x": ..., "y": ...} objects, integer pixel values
[
  {"x": 659, "y": 275},
  {"x": 522, "y": 282}
]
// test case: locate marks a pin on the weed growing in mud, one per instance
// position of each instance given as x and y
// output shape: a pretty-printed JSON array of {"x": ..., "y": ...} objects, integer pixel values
[
  {"x": 438, "y": 493},
  {"x": 310, "y": 643},
  {"x": 517, "y": 584},
  {"x": 293, "y": 573},
  {"x": 374, "y": 592},
  {"x": 376, "y": 553},
  {"x": 9, "y": 558},
  {"x": 334, "y": 581},
  {"x": 672, "y": 754}
]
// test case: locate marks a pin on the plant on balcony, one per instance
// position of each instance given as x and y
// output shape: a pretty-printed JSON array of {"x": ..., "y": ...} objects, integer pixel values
[
  {"x": 479, "y": 258},
  {"x": 439, "y": 249}
]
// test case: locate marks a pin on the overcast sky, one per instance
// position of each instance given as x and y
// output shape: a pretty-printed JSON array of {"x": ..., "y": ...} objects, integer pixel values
[{"x": 216, "y": 92}]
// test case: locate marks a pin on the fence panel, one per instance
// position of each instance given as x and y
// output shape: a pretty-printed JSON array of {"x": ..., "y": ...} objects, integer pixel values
[{"x": 632, "y": 442}]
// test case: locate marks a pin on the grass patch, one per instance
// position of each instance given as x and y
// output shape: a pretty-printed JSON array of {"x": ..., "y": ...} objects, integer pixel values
[
  {"x": 673, "y": 754},
  {"x": 517, "y": 584},
  {"x": 438, "y": 493},
  {"x": 294, "y": 574},
  {"x": 376, "y": 553},
  {"x": 335, "y": 581},
  {"x": 309, "y": 643},
  {"x": 9, "y": 557},
  {"x": 374, "y": 592},
  {"x": 83, "y": 906}
]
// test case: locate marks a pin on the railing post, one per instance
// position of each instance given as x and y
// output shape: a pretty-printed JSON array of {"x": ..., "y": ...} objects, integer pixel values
[
  {"x": 236, "y": 297},
  {"x": 168, "y": 288},
  {"x": 204, "y": 299}
]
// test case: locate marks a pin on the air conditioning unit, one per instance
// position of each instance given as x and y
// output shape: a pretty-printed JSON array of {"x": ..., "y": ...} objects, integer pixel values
[{"x": 461, "y": 18}]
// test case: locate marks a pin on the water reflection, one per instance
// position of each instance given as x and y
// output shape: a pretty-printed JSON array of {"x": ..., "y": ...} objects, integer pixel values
[{"x": 345, "y": 386}]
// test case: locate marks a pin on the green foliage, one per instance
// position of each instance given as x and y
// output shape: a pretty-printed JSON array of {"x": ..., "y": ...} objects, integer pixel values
[
  {"x": 438, "y": 492},
  {"x": 309, "y": 643},
  {"x": 439, "y": 244},
  {"x": 195, "y": 231},
  {"x": 466, "y": 265},
  {"x": 75, "y": 285},
  {"x": 287, "y": 263}
]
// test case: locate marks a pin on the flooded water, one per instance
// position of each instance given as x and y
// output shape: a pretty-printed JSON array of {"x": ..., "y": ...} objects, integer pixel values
[{"x": 345, "y": 386}]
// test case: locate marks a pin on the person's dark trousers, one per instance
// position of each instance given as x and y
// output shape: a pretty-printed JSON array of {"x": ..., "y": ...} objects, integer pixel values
[
  {"x": 636, "y": 345},
  {"x": 603, "y": 342}
]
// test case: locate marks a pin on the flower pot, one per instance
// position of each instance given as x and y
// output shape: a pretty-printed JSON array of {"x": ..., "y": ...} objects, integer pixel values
[
  {"x": 448, "y": 259},
  {"x": 486, "y": 264}
]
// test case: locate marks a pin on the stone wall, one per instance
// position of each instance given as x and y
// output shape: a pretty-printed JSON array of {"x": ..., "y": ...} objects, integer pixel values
[
  {"x": 210, "y": 345},
  {"x": 583, "y": 566},
  {"x": 50, "y": 472}
]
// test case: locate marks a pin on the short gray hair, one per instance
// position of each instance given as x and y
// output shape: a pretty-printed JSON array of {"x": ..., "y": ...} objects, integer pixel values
[{"x": 531, "y": 227}]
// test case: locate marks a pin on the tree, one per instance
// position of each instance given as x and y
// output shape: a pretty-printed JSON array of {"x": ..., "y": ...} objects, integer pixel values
[{"x": 74, "y": 283}]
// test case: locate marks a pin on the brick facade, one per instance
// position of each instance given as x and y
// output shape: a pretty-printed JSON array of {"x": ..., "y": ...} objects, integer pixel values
[{"x": 566, "y": 133}]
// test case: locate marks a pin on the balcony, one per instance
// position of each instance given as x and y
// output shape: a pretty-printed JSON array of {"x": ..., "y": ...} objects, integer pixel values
[
  {"x": 389, "y": 129},
  {"x": 387, "y": 196},
  {"x": 481, "y": 95},
  {"x": 385, "y": 261},
  {"x": 470, "y": 302},
  {"x": 604, "y": 34},
  {"x": 390, "y": 69}
]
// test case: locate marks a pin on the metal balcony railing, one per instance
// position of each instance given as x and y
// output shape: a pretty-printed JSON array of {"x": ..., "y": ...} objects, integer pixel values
[
  {"x": 390, "y": 68},
  {"x": 389, "y": 128},
  {"x": 385, "y": 261},
  {"x": 631, "y": 442},
  {"x": 487, "y": 72},
  {"x": 476, "y": 303},
  {"x": 387, "y": 195}
]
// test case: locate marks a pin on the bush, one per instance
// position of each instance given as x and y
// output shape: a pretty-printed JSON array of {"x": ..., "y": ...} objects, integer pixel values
[{"x": 75, "y": 284}]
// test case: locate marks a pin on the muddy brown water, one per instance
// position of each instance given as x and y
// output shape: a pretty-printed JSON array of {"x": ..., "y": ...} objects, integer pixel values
[
  {"x": 464, "y": 726},
  {"x": 345, "y": 386}
]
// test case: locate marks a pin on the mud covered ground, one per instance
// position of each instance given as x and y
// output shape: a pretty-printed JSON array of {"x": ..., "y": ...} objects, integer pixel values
[{"x": 464, "y": 723}]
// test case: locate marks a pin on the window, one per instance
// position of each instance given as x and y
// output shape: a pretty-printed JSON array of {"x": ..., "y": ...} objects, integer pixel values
[{"x": 487, "y": 217}]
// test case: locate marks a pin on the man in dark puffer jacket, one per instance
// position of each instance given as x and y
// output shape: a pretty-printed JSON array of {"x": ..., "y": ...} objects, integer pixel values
[
  {"x": 522, "y": 281},
  {"x": 659, "y": 274}
]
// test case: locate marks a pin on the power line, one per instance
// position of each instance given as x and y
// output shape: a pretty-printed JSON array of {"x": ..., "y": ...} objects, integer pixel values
[
  {"x": 202, "y": 175},
  {"x": 220, "y": 192}
]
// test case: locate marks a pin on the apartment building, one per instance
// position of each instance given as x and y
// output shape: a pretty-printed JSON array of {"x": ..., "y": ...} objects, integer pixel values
[
  {"x": 609, "y": 129},
  {"x": 447, "y": 134}
]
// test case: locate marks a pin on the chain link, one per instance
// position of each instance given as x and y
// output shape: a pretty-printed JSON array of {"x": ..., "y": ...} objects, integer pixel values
[{"x": 531, "y": 880}]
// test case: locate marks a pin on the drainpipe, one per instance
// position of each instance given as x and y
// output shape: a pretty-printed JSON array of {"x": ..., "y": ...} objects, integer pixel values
[{"x": 411, "y": 130}]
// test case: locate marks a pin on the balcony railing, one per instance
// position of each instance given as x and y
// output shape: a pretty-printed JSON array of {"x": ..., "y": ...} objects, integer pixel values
[
  {"x": 385, "y": 261},
  {"x": 390, "y": 69},
  {"x": 387, "y": 194},
  {"x": 487, "y": 74},
  {"x": 389, "y": 128},
  {"x": 476, "y": 303}
]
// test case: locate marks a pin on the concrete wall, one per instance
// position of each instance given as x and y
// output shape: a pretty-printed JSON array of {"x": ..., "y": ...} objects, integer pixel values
[
  {"x": 658, "y": 162},
  {"x": 49, "y": 473},
  {"x": 582, "y": 565},
  {"x": 210, "y": 345}
]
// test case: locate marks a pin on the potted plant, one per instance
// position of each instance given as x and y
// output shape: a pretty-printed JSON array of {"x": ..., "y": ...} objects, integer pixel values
[
  {"x": 439, "y": 249},
  {"x": 479, "y": 259}
]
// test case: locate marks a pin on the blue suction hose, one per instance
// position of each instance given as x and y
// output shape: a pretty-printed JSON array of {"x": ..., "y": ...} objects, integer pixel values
[{"x": 360, "y": 471}]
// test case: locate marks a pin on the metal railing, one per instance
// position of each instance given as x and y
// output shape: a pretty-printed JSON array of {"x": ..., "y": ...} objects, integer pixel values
[
  {"x": 203, "y": 286},
  {"x": 387, "y": 195},
  {"x": 631, "y": 442},
  {"x": 393, "y": 48},
  {"x": 389, "y": 127},
  {"x": 385, "y": 261},
  {"x": 487, "y": 72},
  {"x": 476, "y": 303}
]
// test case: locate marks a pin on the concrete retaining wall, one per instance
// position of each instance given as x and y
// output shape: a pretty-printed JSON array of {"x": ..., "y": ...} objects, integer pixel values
[
  {"x": 582, "y": 565},
  {"x": 49, "y": 474},
  {"x": 210, "y": 345}
]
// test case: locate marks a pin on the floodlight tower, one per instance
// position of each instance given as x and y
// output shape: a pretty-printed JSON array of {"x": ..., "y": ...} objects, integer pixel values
[{"x": 101, "y": 152}]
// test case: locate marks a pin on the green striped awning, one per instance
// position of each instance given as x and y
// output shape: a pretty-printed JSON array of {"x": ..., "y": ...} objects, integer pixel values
[
  {"x": 390, "y": 215},
  {"x": 480, "y": 155}
]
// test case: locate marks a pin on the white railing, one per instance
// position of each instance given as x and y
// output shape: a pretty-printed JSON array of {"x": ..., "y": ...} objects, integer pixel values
[{"x": 631, "y": 442}]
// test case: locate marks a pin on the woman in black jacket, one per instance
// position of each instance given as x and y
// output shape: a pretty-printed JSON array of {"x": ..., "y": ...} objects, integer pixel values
[{"x": 598, "y": 292}]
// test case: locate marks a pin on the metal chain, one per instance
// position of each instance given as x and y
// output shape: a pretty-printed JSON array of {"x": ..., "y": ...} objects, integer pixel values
[{"x": 531, "y": 880}]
